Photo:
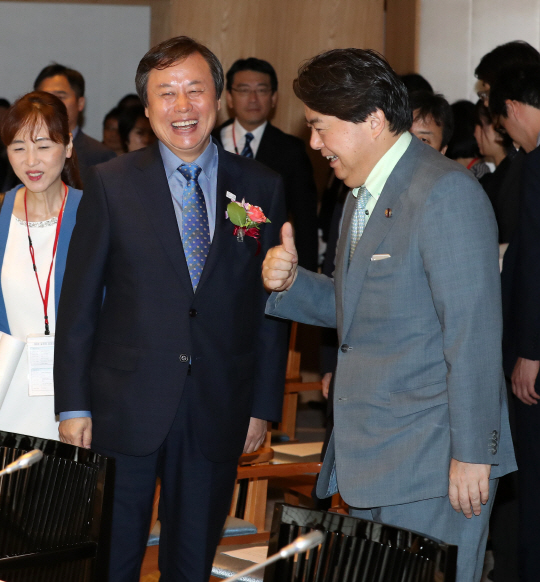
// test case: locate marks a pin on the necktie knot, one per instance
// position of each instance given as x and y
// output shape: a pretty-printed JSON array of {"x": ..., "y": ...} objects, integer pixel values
[
  {"x": 249, "y": 137},
  {"x": 190, "y": 171},
  {"x": 359, "y": 219},
  {"x": 362, "y": 197}
]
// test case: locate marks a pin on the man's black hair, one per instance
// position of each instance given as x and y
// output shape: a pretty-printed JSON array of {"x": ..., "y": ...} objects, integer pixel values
[
  {"x": 425, "y": 104},
  {"x": 415, "y": 82},
  {"x": 75, "y": 79},
  {"x": 517, "y": 52},
  {"x": 352, "y": 83},
  {"x": 252, "y": 64},
  {"x": 463, "y": 143},
  {"x": 518, "y": 83},
  {"x": 4, "y": 103}
]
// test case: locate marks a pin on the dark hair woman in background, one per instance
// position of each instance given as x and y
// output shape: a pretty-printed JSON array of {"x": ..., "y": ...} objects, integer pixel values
[
  {"x": 462, "y": 147},
  {"x": 42, "y": 208},
  {"x": 134, "y": 128}
]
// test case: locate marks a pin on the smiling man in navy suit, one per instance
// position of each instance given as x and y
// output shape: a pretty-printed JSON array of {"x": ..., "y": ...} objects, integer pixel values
[{"x": 177, "y": 370}]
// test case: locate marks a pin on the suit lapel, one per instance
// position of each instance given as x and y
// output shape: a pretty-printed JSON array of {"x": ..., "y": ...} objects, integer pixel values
[
  {"x": 154, "y": 194},
  {"x": 342, "y": 254},
  {"x": 378, "y": 226},
  {"x": 223, "y": 228},
  {"x": 266, "y": 149}
]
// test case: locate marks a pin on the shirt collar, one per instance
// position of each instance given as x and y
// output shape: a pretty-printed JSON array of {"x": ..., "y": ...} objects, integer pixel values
[
  {"x": 206, "y": 161},
  {"x": 240, "y": 132},
  {"x": 383, "y": 168},
  {"x": 75, "y": 132}
]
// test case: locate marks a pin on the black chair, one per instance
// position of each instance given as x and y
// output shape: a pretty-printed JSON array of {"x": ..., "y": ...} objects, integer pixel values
[
  {"x": 55, "y": 516},
  {"x": 356, "y": 550}
]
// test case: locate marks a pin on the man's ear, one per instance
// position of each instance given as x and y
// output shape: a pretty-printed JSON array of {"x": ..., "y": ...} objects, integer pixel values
[
  {"x": 377, "y": 121},
  {"x": 274, "y": 99},
  {"x": 512, "y": 108},
  {"x": 443, "y": 150},
  {"x": 81, "y": 103},
  {"x": 229, "y": 99},
  {"x": 69, "y": 147}
]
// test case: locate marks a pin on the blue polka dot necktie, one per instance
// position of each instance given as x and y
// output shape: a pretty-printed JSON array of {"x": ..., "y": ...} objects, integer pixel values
[
  {"x": 195, "y": 231},
  {"x": 359, "y": 219},
  {"x": 247, "y": 152}
]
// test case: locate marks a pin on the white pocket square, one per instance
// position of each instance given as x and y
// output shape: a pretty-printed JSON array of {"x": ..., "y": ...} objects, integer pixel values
[{"x": 379, "y": 257}]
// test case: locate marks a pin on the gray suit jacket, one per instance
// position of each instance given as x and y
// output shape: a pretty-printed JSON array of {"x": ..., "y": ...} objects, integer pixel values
[{"x": 419, "y": 378}]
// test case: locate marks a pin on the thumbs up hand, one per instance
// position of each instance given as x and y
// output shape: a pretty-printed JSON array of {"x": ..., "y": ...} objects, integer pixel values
[{"x": 281, "y": 262}]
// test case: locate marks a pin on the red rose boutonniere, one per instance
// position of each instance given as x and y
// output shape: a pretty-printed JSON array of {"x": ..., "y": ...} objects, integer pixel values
[{"x": 246, "y": 218}]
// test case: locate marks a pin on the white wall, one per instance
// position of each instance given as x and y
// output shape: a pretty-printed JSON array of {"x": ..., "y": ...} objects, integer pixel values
[
  {"x": 104, "y": 42},
  {"x": 455, "y": 34}
]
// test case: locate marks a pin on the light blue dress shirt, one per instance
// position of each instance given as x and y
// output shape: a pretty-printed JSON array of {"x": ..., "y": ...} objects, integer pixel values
[{"x": 208, "y": 162}]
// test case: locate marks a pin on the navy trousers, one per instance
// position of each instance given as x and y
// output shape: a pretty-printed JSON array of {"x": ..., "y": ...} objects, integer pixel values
[{"x": 195, "y": 497}]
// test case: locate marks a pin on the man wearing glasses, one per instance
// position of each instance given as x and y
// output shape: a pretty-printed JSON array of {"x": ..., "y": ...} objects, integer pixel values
[{"x": 251, "y": 97}]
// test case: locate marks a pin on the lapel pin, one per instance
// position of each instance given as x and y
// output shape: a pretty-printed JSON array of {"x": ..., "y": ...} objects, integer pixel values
[{"x": 388, "y": 213}]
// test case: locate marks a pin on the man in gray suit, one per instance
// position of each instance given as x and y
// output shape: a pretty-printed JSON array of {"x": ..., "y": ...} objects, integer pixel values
[{"x": 421, "y": 425}]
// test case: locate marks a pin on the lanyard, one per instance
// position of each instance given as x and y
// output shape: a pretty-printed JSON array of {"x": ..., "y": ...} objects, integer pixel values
[
  {"x": 234, "y": 140},
  {"x": 45, "y": 298}
]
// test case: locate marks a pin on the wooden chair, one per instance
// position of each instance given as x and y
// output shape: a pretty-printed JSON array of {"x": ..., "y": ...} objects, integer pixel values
[
  {"x": 293, "y": 386},
  {"x": 356, "y": 550}
]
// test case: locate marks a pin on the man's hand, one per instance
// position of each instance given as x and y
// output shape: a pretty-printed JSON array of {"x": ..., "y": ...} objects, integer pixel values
[
  {"x": 255, "y": 435},
  {"x": 280, "y": 264},
  {"x": 325, "y": 381},
  {"x": 76, "y": 431},
  {"x": 523, "y": 379},
  {"x": 468, "y": 486}
]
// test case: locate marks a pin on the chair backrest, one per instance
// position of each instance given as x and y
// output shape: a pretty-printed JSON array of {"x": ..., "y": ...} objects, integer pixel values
[
  {"x": 54, "y": 516},
  {"x": 356, "y": 550}
]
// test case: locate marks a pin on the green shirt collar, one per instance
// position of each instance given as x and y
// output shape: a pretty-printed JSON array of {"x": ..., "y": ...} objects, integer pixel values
[{"x": 383, "y": 168}]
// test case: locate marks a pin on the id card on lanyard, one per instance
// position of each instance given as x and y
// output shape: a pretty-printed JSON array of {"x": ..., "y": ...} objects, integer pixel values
[
  {"x": 41, "y": 346},
  {"x": 40, "y": 364}
]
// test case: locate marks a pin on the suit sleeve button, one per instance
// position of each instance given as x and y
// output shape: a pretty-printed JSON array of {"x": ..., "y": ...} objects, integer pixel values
[
  {"x": 345, "y": 348},
  {"x": 192, "y": 312},
  {"x": 184, "y": 358}
]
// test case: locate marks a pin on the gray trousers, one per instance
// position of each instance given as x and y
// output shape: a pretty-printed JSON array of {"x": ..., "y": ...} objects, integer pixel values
[{"x": 436, "y": 518}]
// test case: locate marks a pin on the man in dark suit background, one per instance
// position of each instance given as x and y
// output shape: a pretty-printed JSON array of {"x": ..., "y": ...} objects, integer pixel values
[
  {"x": 515, "y": 100},
  {"x": 252, "y": 95},
  {"x": 176, "y": 363},
  {"x": 68, "y": 85}
]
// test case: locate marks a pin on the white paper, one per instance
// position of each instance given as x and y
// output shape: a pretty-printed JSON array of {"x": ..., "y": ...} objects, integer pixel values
[
  {"x": 10, "y": 353},
  {"x": 40, "y": 365},
  {"x": 257, "y": 554}
]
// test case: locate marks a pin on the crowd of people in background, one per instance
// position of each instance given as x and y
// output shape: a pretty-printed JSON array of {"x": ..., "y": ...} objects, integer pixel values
[{"x": 496, "y": 139}]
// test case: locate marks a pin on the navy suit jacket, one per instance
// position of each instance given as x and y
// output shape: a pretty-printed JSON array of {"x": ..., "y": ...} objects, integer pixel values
[
  {"x": 125, "y": 357},
  {"x": 521, "y": 273},
  {"x": 90, "y": 152},
  {"x": 286, "y": 155}
]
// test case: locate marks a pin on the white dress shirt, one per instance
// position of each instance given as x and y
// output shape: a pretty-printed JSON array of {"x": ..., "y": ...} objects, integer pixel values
[{"x": 240, "y": 135}]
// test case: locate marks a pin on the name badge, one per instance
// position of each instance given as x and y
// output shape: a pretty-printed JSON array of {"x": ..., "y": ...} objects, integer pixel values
[{"x": 40, "y": 364}]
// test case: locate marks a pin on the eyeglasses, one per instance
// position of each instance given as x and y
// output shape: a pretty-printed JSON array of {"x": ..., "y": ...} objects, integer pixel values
[{"x": 245, "y": 91}]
